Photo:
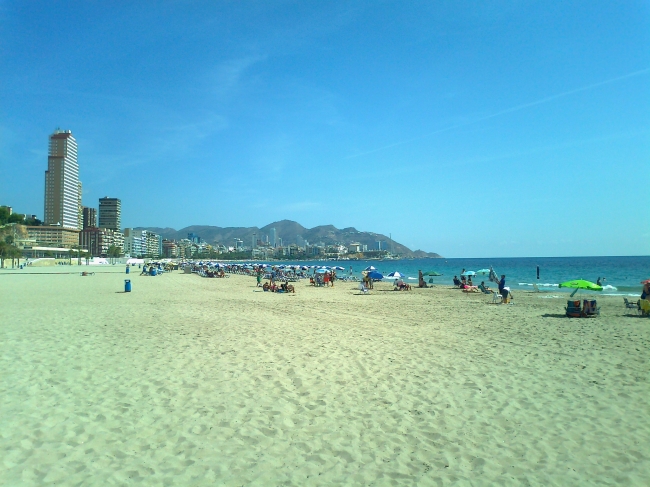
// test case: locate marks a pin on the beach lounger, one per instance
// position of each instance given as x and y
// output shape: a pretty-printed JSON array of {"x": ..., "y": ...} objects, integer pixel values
[
  {"x": 496, "y": 297},
  {"x": 483, "y": 290},
  {"x": 535, "y": 288},
  {"x": 636, "y": 307},
  {"x": 363, "y": 288},
  {"x": 573, "y": 309},
  {"x": 590, "y": 308}
]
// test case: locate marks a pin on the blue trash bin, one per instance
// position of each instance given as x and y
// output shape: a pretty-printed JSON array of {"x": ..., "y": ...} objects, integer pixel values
[
  {"x": 127, "y": 285},
  {"x": 128, "y": 269},
  {"x": 153, "y": 272}
]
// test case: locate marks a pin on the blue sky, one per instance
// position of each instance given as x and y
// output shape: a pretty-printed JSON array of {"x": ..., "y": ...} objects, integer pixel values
[{"x": 471, "y": 129}]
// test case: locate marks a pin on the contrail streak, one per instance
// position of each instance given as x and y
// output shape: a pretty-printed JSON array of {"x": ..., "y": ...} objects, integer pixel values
[{"x": 507, "y": 110}]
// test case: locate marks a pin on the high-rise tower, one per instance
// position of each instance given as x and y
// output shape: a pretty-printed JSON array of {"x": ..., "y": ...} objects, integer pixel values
[
  {"x": 62, "y": 181},
  {"x": 110, "y": 213}
]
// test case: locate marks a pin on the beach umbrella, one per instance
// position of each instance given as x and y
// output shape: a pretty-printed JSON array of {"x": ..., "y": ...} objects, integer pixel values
[
  {"x": 579, "y": 284},
  {"x": 370, "y": 268},
  {"x": 375, "y": 275},
  {"x": 432, "y": 273},
  {"x": 468, "y": 273},
  {"x": 395, "y": 275},
  {"x": 321, "y": 271},
  {"x": 339, "y": 268},
  {"x": 483, "y": 272}
]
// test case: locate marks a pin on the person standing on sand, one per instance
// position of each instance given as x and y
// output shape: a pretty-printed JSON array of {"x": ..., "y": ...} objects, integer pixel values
[
  {"x": 333, "y": 278},
  {"x": 502, "y": 291},
  {"x": 421, "y": 282}
]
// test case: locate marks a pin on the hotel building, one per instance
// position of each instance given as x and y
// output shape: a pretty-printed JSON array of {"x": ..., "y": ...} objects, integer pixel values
[
  {"x": 62, "y": 186},
  {"x": 89, "y": 217},
  {"x": 110, "y": 213}
]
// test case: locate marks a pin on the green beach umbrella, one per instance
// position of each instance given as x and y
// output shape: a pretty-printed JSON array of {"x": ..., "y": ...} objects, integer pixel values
[
  {"x": 581, "y": 284},
  {"x": 484, "y": 272},
  {"x": 432, "y": 273}
]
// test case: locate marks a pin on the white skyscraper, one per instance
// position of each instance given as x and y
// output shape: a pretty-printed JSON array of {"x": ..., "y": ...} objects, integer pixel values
[
  {"x": 274, "y": 237},
  {"x": 62, "y": 187}
]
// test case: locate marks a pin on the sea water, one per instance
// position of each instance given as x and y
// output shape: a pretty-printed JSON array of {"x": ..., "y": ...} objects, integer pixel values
[{"x": 619, "y": 275}]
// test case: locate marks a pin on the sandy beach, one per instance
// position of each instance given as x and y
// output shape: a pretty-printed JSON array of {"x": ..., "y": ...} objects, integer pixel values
[{"x": 195, "y": 381}]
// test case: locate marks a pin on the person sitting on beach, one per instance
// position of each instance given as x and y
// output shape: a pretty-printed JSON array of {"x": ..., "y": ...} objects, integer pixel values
[
  {"x": 645, "y": 293},
  {"x": 266, "y": 287},
  {"x": 457, "y": 282},
  {"x": 463, "y": 279},
  {"x": 469, "y": 281},
  {"x": 290, "y": 289},
  {"x": 402, "y": 286},
  {"x": 484, "y": 288}
]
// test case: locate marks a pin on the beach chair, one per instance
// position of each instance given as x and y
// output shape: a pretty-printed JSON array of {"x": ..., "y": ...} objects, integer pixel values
[
  {"x": 635, "y": 306},
  {"x": 590, "y": 308},
  {"x": 483, "y": 290},
  {"x": 496, "y": 297},
  {"x": 363, "y": 288},
  {"x": 573, "y": 309},
  {"x": 535, "y": 288}
]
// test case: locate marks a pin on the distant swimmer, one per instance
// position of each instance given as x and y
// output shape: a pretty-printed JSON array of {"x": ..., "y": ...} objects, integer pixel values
[{"x": 598, "y": 282}]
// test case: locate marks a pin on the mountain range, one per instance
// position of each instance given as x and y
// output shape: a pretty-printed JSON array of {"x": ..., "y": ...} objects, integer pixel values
[{"x": 289, "y": 231}]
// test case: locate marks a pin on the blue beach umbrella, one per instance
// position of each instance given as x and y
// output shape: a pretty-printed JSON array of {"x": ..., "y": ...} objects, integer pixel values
[{"x": 375, "y": 275}]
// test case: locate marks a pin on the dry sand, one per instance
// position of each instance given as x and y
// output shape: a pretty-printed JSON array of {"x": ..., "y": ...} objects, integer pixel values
[{"x": 192, "y": 381}]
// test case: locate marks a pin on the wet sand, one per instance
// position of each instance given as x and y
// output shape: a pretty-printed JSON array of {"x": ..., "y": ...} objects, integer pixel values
[{"x": 192, "y": 381}]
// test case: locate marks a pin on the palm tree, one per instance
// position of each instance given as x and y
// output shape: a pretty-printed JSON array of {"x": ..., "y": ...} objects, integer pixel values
[{"x": 113, "y": 252}]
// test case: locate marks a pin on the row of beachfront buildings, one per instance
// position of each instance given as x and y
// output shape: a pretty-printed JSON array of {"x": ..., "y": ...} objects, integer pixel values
[{"x": 97, "y": 232}]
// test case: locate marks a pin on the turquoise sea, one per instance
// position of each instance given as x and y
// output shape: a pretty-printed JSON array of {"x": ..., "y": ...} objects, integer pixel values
[{"x": 622, "y": 274}]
